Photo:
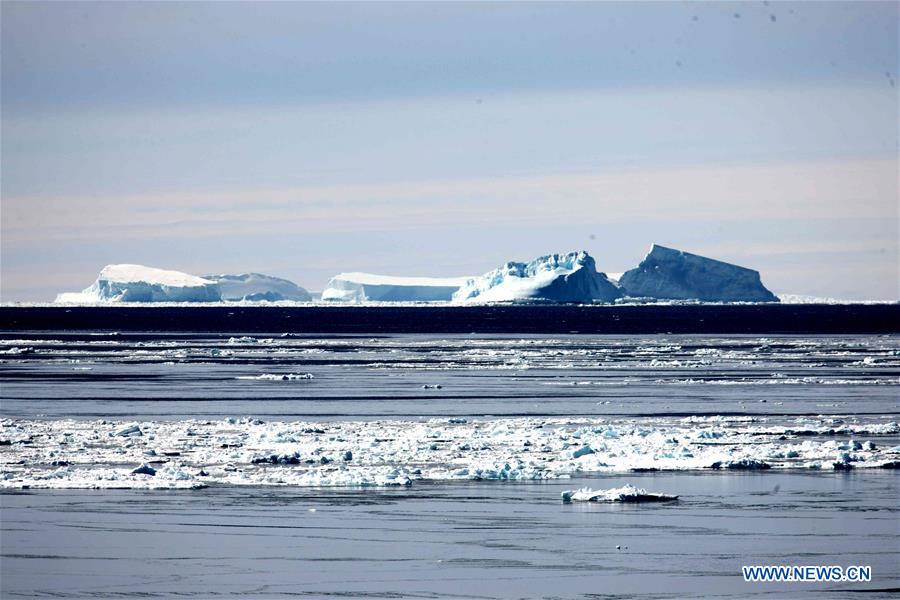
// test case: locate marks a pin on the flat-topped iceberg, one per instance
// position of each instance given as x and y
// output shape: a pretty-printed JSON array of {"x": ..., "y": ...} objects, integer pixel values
[
  {"x": 672, "y": 274},
  {"x": 362, "y": 287},
  {"x": 256, "y": 287},
  {"x": 137, "y": 283},
  {"x": 571, "y": 277}
]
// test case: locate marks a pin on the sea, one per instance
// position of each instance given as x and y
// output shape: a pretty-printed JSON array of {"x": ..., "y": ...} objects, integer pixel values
[{"x": 174, "y": 452}]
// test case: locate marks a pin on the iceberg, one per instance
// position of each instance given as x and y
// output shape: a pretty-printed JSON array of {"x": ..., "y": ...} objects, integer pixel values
[
  {"x": 137, "y": 283},
  {"x": 256, "y": 287},
  {"x": 571, "y": 277},
  {"x": 362, "y": 287},
  {"x": 672, "y": 274}
]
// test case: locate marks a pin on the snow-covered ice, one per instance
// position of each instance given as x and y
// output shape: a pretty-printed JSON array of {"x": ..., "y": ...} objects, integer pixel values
[
  {"x": 256, "y": 287},
  {"x": 137, "y": 283},
  {"x": 277, "y": 377},
  {"x": 672, "y": 274},
  {"x": 190, "y": 453},
  {"x": 626, "y": 493},
  {"x": 362, "y": 287},
  {"x": 571, "y": 277}
]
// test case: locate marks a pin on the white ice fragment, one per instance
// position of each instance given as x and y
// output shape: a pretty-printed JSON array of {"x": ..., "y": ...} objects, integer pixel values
[
  {"x": 144, "y": 469},
  {"x": 133, "y": 431},
  {"x": 627, "y": 493},
  {"x": 583, "y": 451},
  {"x": 278, "y": 377},
  {"x": 744, "y": 464}
]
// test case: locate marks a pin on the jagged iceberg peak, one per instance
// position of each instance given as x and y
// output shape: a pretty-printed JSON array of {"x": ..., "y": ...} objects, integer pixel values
[
  {"x": 666, "y": 273},
  {"x": 570, "y": 277},
  {"x": 256, "y": 287},
  {"x": 368, "y": 287},
  {"x": 138, "y": 283}
]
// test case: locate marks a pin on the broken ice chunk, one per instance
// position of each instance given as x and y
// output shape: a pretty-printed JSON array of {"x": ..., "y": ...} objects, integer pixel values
[
  {"x": 627, "y": 493},
  {"x": 144, "y": 469}
]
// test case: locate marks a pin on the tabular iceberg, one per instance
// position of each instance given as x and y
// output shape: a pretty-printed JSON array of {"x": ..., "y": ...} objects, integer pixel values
[
  {"x": 672, "y": 274},
  {"x": 571, "y": 277},
  {"x": 362, "y": 287},
  {"x": 257, "y": 287},
  {"x": 137, "y": 283}
]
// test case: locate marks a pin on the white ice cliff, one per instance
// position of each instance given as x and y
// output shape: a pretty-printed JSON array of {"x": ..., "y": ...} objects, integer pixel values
[
  {"x": 571, "y": 277},
  {"x": 256, "y": 287},
  {"x": 362, "y": 287},
  {"x": 672, "y": 274}
]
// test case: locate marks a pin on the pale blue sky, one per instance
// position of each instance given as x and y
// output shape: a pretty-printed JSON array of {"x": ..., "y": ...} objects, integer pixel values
[{"x": 304, "y": 139}]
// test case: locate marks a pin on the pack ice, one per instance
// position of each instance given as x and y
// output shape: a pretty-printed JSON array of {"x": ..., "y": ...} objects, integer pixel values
[
  {"x": 137, "y": 283},
  {"x": 256, "y": 287},
  {"x": 571, "y": 277},
  {"x": 666, "y": 273},
  {"x": 72, "y": 453},
  {"x": 363, "y": 287}
]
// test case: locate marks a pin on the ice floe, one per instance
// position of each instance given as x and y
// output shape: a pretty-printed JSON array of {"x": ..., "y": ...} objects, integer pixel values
[
  {"x": 627, "y": 493},
  {"x": 277, "y": 377}
]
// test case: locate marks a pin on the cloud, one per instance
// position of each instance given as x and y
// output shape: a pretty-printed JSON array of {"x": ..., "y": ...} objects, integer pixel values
[{"x": 831, "y": 189}]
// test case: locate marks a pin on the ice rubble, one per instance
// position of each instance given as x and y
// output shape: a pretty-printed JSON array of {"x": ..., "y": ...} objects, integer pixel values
[
  {"x": 362, "y": 287},
  {"x": 137, "y": 283},
  {"x": 250, "y": 452},
  {"x": 672, "y": 274},
  {"x": 571, "y": 277},
  {"x": 256, "y": 287},
  {"x": 627, "y": 493}
]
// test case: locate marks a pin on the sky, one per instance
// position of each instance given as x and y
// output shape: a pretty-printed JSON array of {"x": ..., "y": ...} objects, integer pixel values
[{"x": 444, "y": 139}]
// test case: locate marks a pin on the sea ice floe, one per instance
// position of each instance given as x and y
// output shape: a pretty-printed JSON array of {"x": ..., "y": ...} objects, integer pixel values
[
  {"x": 277, "y": 376},
  {"x": 130, "y": 431},
  {"x": 144, "y": 469},
  {"x": 743, "y": 464},
  {"x": 627, "y": 493},
  {"x": 243, "y": 451}
]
